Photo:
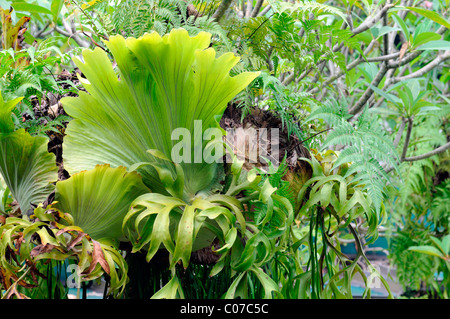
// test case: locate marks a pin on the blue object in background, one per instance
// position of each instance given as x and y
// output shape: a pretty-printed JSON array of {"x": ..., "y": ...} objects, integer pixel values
[{"x": 381, "y": 242}]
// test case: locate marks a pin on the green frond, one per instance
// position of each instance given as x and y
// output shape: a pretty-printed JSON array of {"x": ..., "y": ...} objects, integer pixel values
[
  {"x": 344, "y": 134},
  {"x": 365, "y": 144},
  {"x": 305, "y": 8},
  {"x": 331, "y": 111}
]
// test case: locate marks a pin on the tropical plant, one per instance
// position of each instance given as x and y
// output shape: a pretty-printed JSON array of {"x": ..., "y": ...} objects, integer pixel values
[
  {"x": 368, "y": 147},
  {"x": 27, "y": 245},
  {"x": 420, "y": 219},
  {"x": 28, "y": 71},
  {"x": 331, "y": 201},
  {"x": 441, "y": 250},
  {"x": 80, "y": 196},
  {"x": 146, "y": 121},
  {"x": 365, "y": 83},
  {"x": 30, "y": 182}
]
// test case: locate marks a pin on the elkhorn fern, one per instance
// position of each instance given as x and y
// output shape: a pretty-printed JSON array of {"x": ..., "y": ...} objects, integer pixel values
[
  {"x": 25, "y": 164},
  {"x": 164, "y": 83}
]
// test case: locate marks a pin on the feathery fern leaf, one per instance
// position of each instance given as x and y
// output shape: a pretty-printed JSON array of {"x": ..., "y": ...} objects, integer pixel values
[{"x": 366, "y": 147}]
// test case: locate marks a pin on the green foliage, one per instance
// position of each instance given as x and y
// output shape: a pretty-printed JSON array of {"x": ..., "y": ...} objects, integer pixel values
[
  {"x": 290, "y": 39},
  {"x": 181, "y": 227},
  {"x": 352, "y": 76},
  {"x": 412, "y": 267},
  {"x": 137, "y": 17},
  {"x": 440, "y": 205},
  {"x": 275, "y": 177},
  {"x": 128, "y": 135},
  {"x": 99, "y": 199},
  {"x": 27, "y": 168},
  {"x": 367, "y": 147},
  {"x": 285, "y": 104},
  {"x": 28, "y": 73},
  {"x": 328, "y": 203},
  {"x": 419, "y": 214}
]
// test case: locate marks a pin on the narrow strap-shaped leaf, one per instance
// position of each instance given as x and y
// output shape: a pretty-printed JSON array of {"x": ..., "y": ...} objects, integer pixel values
[
  {"x": 185, "y": 237},
  {"x": 171, "y": 290},
  {"x": 161, "y": 233}
]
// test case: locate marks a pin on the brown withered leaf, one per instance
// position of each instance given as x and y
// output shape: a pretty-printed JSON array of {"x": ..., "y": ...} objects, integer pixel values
[
  {"x": 25, "y": 284},
  {"x": 20, "y": 282},
  {"x": 10, "y": 254},
  {"x": 41, "y": 249},
  {"x": 97, "y": 258},
  {"x": 5, "y": 278},
  {"x": 34, "y": 271},
  {"x": 75, "y": 241},
  {"x": 2, "y": 219},
  {"x": 18, "y": 241},
  {"x": 68, "y": 229},
  {"x": 403, "y": 49}
]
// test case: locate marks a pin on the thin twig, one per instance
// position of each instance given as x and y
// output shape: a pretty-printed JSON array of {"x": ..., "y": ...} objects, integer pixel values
[
  {"x": 440, "y": 58},
  {"x": 308, "y": 138},
  {"x": 407, "y": 139},
  {"x": 400, "y": 132},
  {"x": 368, "y": 93}
]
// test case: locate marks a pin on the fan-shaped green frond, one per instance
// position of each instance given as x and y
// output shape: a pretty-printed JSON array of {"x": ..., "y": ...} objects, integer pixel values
[
  {"x": 166, "y": 83},
  {"x": 99, "y": 199},
  {"x": 26, "y": 165}
]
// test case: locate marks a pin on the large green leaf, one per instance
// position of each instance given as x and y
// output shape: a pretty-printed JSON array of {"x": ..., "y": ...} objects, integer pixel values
[
  {"x": 434, "y": 16},
  {"x": 429, "y": 250},
  {"x": 99, "y": 199},
  {"x": 435, "y": 45},
  {"x": 28, "y": 7},
  {"x": 164, "y": 83},
  {"x": 28, "y": 169}
]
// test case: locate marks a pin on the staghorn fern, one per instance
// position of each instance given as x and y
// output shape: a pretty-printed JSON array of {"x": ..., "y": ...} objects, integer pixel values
[{"x": 366, "y": 146}]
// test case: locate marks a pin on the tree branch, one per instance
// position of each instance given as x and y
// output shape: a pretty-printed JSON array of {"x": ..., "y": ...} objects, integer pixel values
[
  {"x": 70, "y": 33},
  {"x": 400, "y": 132},
  {"x": 383, "y": 57},
  {"x": 368, "y": 93},
  {"x": 407, "y": 139},
  {"x": 383, "y": 70},
  {"x": 249, "y": 10},
  {"x": 440, "y": 58},
  {"x": 223, "y": 7},
  {"x": 265, "y": 10},
  {"x": 257, "y": 8},
  {"x": 349, "y": 67},
  {"x": 371, "y": 21},
  {"x": 436, "y": 151}
]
